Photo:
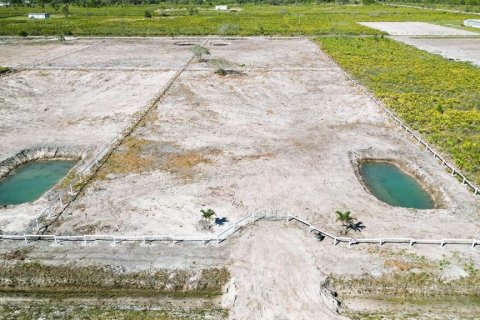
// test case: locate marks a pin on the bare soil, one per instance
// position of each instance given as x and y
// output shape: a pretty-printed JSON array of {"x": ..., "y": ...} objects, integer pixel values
[{"x": 284, "y": 135}]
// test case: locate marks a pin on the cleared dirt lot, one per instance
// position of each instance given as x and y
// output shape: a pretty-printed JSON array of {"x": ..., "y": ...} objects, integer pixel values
[
  {"x": 280, "y": 136},
  {"x": 416, "y": 29},
  {"x": 462, "y": 49},
  {"x": 450, "y": 43},
  {"x": 283, "y": 134},
  {"x": 66, "y": 95}
]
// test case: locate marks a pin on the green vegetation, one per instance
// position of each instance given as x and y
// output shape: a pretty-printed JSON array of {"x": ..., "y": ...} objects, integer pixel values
[
  {"x": 199, "y": 51},
  {"x": 437, "y": 97},
  {"x": 207, "y": 214},
  {"x": 48, "y": 311},
  {"x": 248, "y": 19},
  {"x": 346, "y": 219},
  {"x": 4, "y": 69},
  {"x": 58, "y": 282}
]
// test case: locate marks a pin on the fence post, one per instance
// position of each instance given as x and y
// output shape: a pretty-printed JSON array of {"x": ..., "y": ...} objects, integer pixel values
[
  {"x": 84, "y": 240},
  {"x": 253, "y": 217},
  {"x": 144, "y": 242},
  {"x": 60, "y": 198},
  {"x": 218, "y": 240},
  {"x": 55, "y": 239},
  {"x": 25, "y": 238}
]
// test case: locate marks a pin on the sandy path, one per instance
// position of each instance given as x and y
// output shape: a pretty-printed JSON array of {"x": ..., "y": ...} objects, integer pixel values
[{"x": 275, "y": 276}]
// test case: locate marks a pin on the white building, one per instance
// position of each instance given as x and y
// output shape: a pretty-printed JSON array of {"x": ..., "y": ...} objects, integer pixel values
[
  {"x": 38, "y": 15},
  {"x": 221, "y": 8},
  {"x": 4, "y": 4},
  {"x": 472, "y": 23}
]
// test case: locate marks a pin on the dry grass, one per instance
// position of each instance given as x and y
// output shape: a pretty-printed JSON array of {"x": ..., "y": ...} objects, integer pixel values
[
  {"x": 140, "y": 155},
  {"x": 128, "y": 159},
  {"x": 398, "y": 264},
  {"x": 17, "y": 254},
  {"x": 183, "y": 164},
  {"x": 185, "y": 161}
]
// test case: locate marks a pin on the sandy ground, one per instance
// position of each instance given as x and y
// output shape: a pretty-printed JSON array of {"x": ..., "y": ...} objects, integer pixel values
[
  {"x": 75, "y": 94},
  {"x": 462, "y": 49},
  {"x": 276, "y": 279},
  {"x": 450, "y": 43},
  {"x": 279, "y": 137},
  {"x": 416, "y": 29}
]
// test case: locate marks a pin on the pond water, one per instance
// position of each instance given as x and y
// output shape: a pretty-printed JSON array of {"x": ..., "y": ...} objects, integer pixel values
[
  {"x": 29, "y": 181},
  {"x": 390, "y": 184}
]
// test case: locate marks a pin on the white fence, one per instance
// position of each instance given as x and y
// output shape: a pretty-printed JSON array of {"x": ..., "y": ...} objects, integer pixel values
[
  {"x": 64, "y": 197},
  {"x": 381, "y": 241},
  {"x": 455, "y": 172},
  {"x": 232, "y": 229}
]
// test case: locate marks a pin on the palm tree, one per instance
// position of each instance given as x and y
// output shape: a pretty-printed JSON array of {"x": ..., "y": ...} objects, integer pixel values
[
  {"x": 207, "y": 214},
  {"x": 346, "y": 219}
]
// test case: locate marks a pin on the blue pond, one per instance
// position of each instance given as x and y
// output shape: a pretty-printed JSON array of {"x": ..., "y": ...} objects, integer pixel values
[
  {"x": 390, "y": 184},
  {"x": 29, "y": 181}
]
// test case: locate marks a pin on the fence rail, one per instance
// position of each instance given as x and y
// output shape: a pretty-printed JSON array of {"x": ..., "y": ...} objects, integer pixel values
[
  {"x": 436, "y": 155},
  {"x": 222, "y": 235}
]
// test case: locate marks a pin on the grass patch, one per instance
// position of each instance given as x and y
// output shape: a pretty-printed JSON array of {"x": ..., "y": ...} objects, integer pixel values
[
  {"x": 4, "y": 69},
  {"x": 437, "y": 97},
  {"x": 128, "y": 158},
  {"x": 69, "y": 311},
  {"x": 138, "y": 155},
  {"x": 171, "y": 19},
  {"x": 68, "y": 281}
]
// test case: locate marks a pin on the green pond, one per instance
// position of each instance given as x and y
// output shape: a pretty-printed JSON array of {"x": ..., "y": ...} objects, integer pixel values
[
  {"x": 391, "y": 185},
  {"x": 29, "y": 181}
]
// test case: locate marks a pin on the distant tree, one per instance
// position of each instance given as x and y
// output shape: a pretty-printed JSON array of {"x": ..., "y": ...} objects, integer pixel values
[
  {"x": 65, "y": 10},
  {"x": 199, "y": 51},
  {"x": 147, "y": 14},
  {"x": 192, "y": 10},
  {"x": 23, "y": 33}
]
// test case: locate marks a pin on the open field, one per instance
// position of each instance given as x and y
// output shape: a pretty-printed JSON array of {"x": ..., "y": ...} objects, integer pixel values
[
  {"x": 281, "y": 128},
  {"x": 171, "y": 20},
  {"x": 61, "y": 100},
  {"x": 280, "y": 136}
]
